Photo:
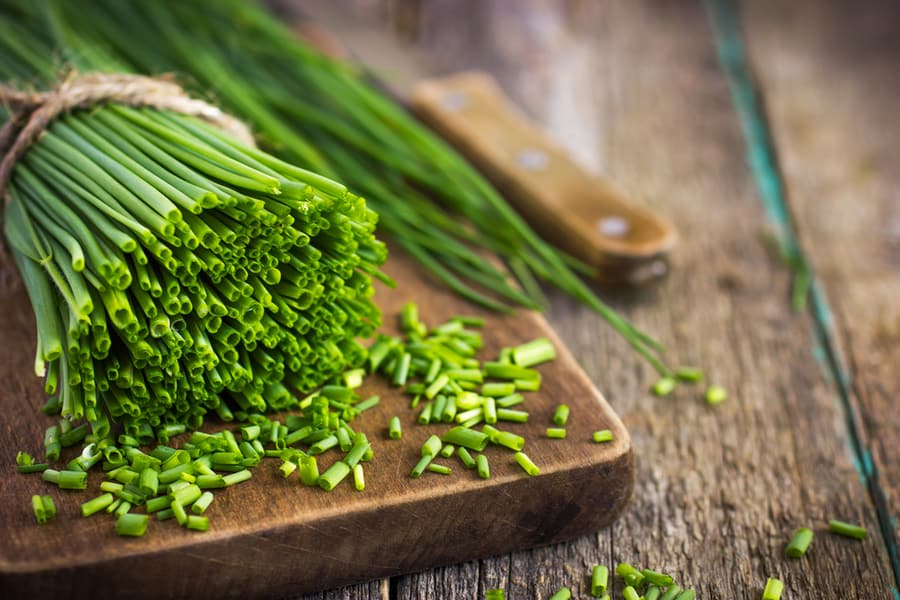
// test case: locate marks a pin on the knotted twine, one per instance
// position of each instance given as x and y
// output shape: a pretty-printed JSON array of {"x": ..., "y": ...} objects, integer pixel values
[{"x": 32, "y": 113}]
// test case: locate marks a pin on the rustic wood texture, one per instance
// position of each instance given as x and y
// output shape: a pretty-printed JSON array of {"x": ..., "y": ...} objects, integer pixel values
[
  {"x": 577, "y": 210},
  {"x": 271, "y": 536},
  {"x": 830, "y": 77},
  {"x": 635, "y": 91}
]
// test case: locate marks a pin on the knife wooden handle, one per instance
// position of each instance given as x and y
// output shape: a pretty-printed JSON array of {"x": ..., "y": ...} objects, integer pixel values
[{"x": 579, "y": 211}]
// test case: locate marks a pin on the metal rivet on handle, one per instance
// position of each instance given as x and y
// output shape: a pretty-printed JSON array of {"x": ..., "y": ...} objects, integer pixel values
[
  {"x": 533, "y": 159},
  {"x": 454, "y": 101},
  {"x": 613, "y": 226}
]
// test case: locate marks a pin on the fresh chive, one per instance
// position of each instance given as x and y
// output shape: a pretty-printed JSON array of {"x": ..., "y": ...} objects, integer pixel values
[
  {"x": 394, "y": 430},
  {"x": 686, "y": 595},
  {"x": 359, "y": 480},
  {"x": 333, "y": 475},
  {"x": 97, "y": 504},
  {"x": 657, "y": 578},
  {"x": 671, "y": 592},
  {"x": 561, "y": 594},
  {"x": 715, "y": 395},
  {"x": 599, "y": 580},
  {"x": 131, "y": 524},
  {"x": 309, "y": 470},
  {"x": 440, "y": 469},
  {"x": 798, "y": 545},
  {"x": 422, "y": 465},
  {"x": 773, "y": 589},
  {"x": 556, "y": 433},
  {"x": 664, "y": 386},
  {"x": 629, "y": 593},
  {"x": 466, "y": 458},
  {"x": 467, "y": 438},
  {"x": 561, "y": 415},
  {"x": 527, "y": 465},
  {"x": 602, "y": 436},
  {"x": 533, "y": 353},
  {"x": 847, "y": 529},
  {"x": 484, "y": 470}
]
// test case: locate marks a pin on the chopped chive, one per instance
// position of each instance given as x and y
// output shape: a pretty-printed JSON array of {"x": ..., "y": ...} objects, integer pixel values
[
  {"x": 437, "y": 410},
  {"x": 527, "y": 465},
  {"x": 468, "y": 438},
  {"x": 715, "y": 395},
  {"x": 686, "y": 595},
  {"x": 484, "y": 469},
  {"x": 798, "y": 545},
  {"x": 508, "y": 439},
  {"x": 425, "y": 415},
  {"x": 202, "y": 503},
  {"x": 155, "y": 504},
  {"x": 367, "y": 403},
  {"x": 629, "y": 593},
  {"x": 448, "y": 450},
  {"x": 657, "y": 578},
  {"x": 561, "y": 415},
  {"x": 652, "y": 593},
  {"x": 773, "y": 589},
  {"x": 436, "y": 386},
  {"x": 533, "y": 353},
  {"x": 432, "y": 446},
  {"x": 237, "y": 477},
  {"x": 394, "y": 430},
  {"x": 689, "y": 374},
  {"x": 468, "y": 401},
  {"x": 512, "y": 416},
  {"x": 465, "y": 457},
  {"x": 198, "y": 523},
  {"x": 671, "y": 592},
  {"x": 440, "y": 469},
  {"x": 847, "y": 529},
  {"x": 333, "y": 475},
  {"x": 123, "y": 508},
  {"x": 97, "y": 504},
  {"x": 556, "y": 433},
  {"x": 421, "y": 465},
  {"x": 286, "y": 468},
  {"x": 33, "y": 468},
  {"x": 178, "y": 510},
  {"x": 510, "y": 401},
  {"x": 527, "y": 385},
  {"x": 490, "y": 411},
  {"x": 561, "y": 594},
  {"x": 498, "y": 389},
  {"x": 494, "y": 594},
  {"x": 132, "y": 524},
  {"x": 165, "y": 514},
  {"x": 66, "y": 480},
  {"x": 309, "y": 470},
  {"x": 632, "y": 576},
  {"x": 359, "y": 480},
  {"x": 40, "y": 510},
  {"x": 604, "y": 435},
  {"x": 599, "y": 580},
  {"x": 664, "y": 386}
]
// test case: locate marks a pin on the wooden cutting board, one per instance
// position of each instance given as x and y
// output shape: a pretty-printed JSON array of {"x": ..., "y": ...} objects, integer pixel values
[{"x": 271, "y": 536}]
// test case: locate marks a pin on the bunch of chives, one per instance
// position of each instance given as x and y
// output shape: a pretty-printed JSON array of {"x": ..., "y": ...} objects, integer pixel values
[
  {"x": 325, "y": 116},
  {"x": 174, "y": 271}
]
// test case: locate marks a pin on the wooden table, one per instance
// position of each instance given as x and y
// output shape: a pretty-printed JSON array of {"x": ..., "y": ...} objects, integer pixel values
[{"x": 807, "y": 91}]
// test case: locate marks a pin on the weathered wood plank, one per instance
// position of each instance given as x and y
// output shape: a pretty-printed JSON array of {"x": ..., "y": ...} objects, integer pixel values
[
  {"x": 634, "y": 90},
  {"x": 831, "y": 81}
]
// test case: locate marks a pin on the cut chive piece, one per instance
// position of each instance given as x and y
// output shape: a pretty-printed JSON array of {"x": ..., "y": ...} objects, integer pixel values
[
  {"x": 467, "y": 438},
  {"x": 198, "y": 523},
  {"x": 773, "y": 589},
  {"x": 178, "y": 510},
  {"x": 494, "y": 594},
  {"x": 664, "y": 386},
  {"x": 43, "y": 508},
  {"x": 286, "y": 468},
  {"x": 237, "y": 477},
  {"x": 599, "y": 580},
  {"x": 512, "y": 416},
  {"x": 652, "y": 593},
  {"x": 561, "y": 415},
  {"x": 432, "y": 446},
  {"x": 440, "y": 469},
  {"x": 798, "y": 545},
  {"x": 657, "y": 578},
  {"x": 334, "y": 475},
  {"x": 602, "y": 436},
  {"x": 534, "y": 352},
  {"x": 132, "y": 524},
  {"x": 484, "y": 469},
  {"x": 629, "y": 593},
  {"x": 671, "y": 592},
  {"x": 202, "y": 503},
  {"x": 556, "y": 433},
  {"x": 715, "y": 395},
  {"x": 508, "y": 439},
  {"x": 847, "y": 529},
  {"x": 510, "y": 401},
  {"x": 490, "y": 410},
  {"x": 562, "y": 594},
  {"x": 498, "y": 390},
  {"x": 686, "y": 595},
  {"x": 527, "y": 465},
  {"x": 448, "y": 450},
  {"x": 632, "y": 576},
  {"x": 309, "y": 470},
  {"x": 66, "y": 480},
  {"x": 359, "y": 479},
  {"x": 395, "y": 432},
  {"x": 689, "y": 374},
  {"x": 421, "y": 465},
  {"x": 465, "y": 457},
  {"x": 97, "y": 504}
]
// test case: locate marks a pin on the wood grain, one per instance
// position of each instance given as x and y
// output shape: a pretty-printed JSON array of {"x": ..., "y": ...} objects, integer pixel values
[
  {"x": 635, "y": 91},
  {"x": 831, "y": 82},
  {"x": 272, "y": 536}
]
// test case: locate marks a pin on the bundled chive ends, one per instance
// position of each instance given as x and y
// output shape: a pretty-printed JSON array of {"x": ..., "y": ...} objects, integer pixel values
[
  {"x": 326, "y": 116},
  {"x": 175, "y": 272}
]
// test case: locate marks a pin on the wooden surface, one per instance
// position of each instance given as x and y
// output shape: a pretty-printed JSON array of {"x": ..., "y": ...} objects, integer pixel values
[
  {"x": 272, "y": 536},
  {"x": 577, "y": 210},
  {"x": 635, "y": 90}
]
